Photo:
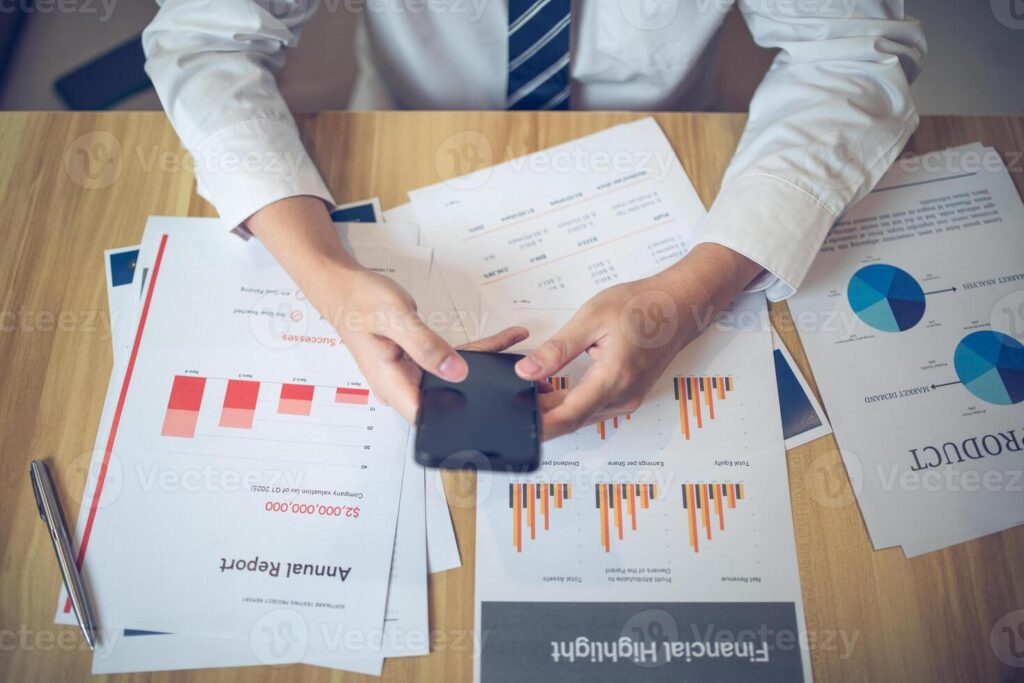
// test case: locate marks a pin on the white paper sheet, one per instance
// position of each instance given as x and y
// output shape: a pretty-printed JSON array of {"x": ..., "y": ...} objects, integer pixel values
[
  {"x": 902, "y": 316},
  {"x": 437, "y": 308},
  {"x": 616, "y": 558},
  {"x": 536, "y": 235},
  {"x": 119, "y": 497}
]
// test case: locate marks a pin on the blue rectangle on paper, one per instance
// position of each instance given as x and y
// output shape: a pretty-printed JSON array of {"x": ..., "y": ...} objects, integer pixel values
[
  {"x": 122, "y": 267},
  {"x": 362, "y": 213},
  {"x": 798, "y": 414}
]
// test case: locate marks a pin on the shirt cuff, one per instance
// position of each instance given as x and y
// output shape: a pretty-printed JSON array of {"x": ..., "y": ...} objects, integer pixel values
[
  {"x": 774, "y": 223},
  {"x": 249, "y": 165}
]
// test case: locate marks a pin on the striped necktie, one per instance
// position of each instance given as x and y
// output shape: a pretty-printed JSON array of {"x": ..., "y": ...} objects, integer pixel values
[{"x": 538, "y": 54}]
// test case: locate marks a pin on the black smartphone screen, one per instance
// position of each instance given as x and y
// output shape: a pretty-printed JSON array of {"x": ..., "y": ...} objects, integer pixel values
[{"x": 488, "y": 421}]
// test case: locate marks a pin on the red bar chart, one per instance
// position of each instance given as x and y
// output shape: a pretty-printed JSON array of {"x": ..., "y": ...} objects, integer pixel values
[
  {"x": 183, "y": 406},
  {"x": 352, "y": 396},
  {"x": 699, "y": 500},
  {"x": 239, "y": 408},
  {"x": 696, "y": 397},
  {"x": 235, "y": 404},
  {"x": 296, "y": 399}
]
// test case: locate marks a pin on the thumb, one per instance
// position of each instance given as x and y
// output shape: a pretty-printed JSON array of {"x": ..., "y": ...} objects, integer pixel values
[
  {"x": 555, "y": 353},
  {"x": 428, "y": 350}
]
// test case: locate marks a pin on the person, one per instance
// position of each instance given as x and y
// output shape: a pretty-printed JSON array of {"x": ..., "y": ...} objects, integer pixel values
[{"x": 828, "y": 119}]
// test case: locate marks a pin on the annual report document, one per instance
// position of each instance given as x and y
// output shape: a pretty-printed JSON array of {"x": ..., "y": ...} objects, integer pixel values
[{"x": 243, "y": 460}]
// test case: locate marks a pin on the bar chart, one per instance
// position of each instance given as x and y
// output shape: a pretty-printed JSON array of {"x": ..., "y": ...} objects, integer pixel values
[
  {"x": 696, "y": 397},
  {"x": 700, "y": 499},
  {"x": 183, "y": 406},
  {"x": 602, "y": 426},
  {"x": 527, "y": 501},
  {"x": 236, "y": 408},
  {"x": 558, "y": 382},
  {"x": 616, "y": 502}
]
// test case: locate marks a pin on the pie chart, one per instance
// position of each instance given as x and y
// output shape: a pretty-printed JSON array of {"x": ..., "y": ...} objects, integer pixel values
[
  {"x": 886, "y": 298},
  {"x": 991, "y": 366}
]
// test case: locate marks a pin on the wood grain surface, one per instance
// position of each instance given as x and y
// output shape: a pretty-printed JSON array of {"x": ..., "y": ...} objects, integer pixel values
[{"x": 72, "y": 185}]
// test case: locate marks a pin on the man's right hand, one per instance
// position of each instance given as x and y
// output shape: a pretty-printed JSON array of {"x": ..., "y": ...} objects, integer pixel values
[{"x": 374, "y": 315}]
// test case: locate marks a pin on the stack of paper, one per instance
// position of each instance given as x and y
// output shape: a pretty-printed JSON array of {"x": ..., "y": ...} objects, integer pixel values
[
  {"x": 659, "y": 543},
  {"x": 248, "y": 500},
  {"x": 912, "y": 318},
  {"x": 251, "y": 503}
]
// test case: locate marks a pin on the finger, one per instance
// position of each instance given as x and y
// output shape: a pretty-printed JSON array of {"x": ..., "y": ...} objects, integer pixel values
[
  {"x": 550, "y": 400},
  {"x": 581, "y": 403},
  {"x": 544, "y": 387},
  {"x": 427, "y": 349},
  {"x": 393, "y": 377},
  {"x": 554, "y": 354},
  {"x": 498, "y": 342}
]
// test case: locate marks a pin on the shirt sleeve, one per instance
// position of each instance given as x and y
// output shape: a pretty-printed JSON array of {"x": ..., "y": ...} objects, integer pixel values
[
  {"x": 213, "y": 66},
  {"x": 829, "y": 118}
]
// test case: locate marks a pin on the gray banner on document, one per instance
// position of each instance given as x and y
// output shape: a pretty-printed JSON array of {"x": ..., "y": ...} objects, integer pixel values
[{"x": 639, "y": 641}]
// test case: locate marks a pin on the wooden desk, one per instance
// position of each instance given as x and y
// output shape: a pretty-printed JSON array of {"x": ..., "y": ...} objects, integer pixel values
[{"x": 925, "y": 619}]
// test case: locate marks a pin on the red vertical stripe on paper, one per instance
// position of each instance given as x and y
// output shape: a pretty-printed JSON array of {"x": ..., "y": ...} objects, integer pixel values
[{"x": 118, "y": 410}]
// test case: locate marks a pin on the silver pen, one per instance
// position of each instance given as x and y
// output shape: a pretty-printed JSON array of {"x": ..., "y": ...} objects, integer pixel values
[{"x": 51, "y": 512}]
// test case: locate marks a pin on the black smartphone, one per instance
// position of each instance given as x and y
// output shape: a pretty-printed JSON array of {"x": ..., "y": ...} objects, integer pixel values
[{"x": 490, "y": 421}]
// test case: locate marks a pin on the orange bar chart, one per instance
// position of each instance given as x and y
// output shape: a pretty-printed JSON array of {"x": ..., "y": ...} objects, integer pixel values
[
  {"x": 352, "y": 396},
  {"x": 183, "y": 406},
  {"x": 701, "y": 501},
  {"x": 617, "y": 504},
  {"x": 531, "y": 500},
  {"x": 240, "y": 404},
  {"x": 696, "y": 397},
  {"x": 558, "y": 382},
  {"x": 296, "y": 399},
  {"x": 602, "y": 426}
]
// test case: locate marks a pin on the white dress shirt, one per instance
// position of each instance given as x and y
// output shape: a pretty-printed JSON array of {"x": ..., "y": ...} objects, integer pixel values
[{"x": 828, "y": 119}]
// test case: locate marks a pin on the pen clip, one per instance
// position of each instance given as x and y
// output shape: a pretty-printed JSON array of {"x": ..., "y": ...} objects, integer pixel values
[{"x": 34, "y": 475}]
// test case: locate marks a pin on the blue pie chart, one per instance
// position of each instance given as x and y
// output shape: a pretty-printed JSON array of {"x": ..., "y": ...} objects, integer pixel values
[
  {"x": 991, "y": 366},
  {"x": 886, "y": 298}
]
